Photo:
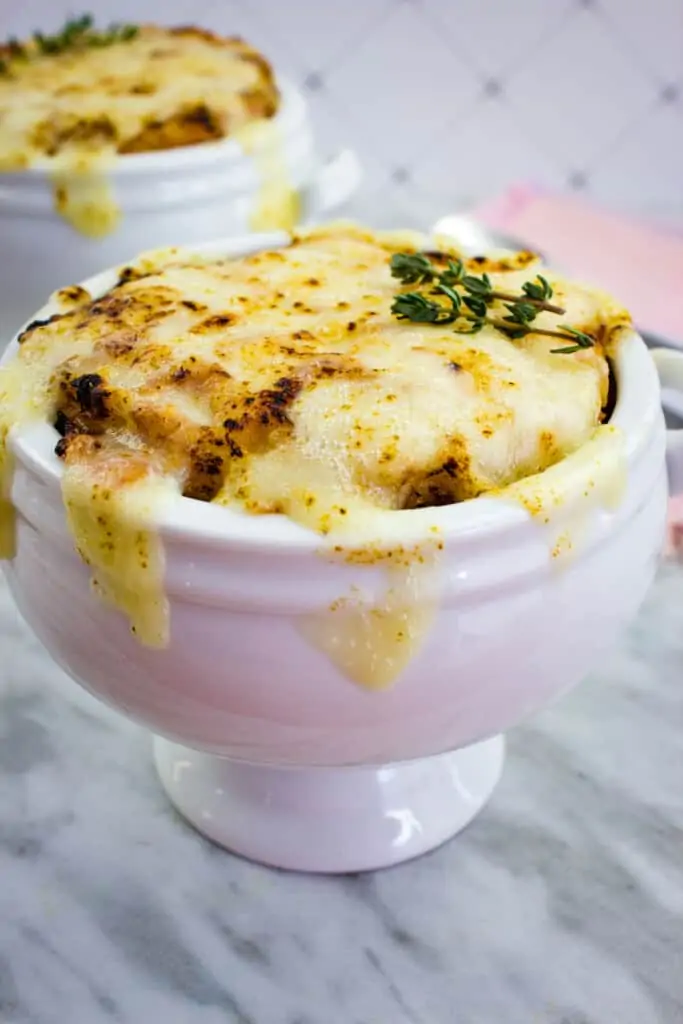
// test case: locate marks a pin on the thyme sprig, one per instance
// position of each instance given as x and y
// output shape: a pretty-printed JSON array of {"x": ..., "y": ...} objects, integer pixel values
[
  {"x": 468, "y": 307},
  {"x": 76, "y": 33}
]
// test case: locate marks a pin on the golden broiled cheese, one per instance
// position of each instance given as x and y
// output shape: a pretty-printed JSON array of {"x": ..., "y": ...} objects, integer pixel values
[
  {"x": 281, "y": 382},
  {"x": 75, "y": 111},
  {"x": 166, "y": 87}
]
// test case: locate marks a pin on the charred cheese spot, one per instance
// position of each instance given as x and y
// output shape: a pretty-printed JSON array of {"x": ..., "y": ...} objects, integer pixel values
[
  {"x": 72, "y": 296},
  {"x": 35, "y": 325}
]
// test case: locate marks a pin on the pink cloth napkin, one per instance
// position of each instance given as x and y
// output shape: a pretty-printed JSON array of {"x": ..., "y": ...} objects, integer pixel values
[
  {"x": 674, "y": 545},
  {"x": 640, "y": 264}
]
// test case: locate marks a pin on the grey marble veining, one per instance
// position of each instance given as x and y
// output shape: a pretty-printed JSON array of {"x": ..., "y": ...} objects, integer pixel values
[{"x": 562, "y": 904}]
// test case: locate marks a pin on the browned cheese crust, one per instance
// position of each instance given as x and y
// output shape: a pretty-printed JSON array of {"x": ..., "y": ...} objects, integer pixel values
[
  {"x": 281, "y": 382},
  {"x": 164, "y": 88}
]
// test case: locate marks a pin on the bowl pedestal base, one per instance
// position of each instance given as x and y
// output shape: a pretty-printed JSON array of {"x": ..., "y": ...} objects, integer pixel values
[{"x": 330, "y": 819}]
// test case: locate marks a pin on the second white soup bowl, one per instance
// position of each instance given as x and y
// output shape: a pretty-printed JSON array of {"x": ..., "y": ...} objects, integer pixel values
[{"x": 169, "y": 197}]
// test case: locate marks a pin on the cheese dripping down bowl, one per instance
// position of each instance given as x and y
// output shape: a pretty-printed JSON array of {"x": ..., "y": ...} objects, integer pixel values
[
  {"x": 115, "y": 145},
  {"x": 329, "y": 655}
]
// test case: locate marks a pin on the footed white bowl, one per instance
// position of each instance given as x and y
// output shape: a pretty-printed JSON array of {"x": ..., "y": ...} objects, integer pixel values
[{"x": 262, "y": 743}]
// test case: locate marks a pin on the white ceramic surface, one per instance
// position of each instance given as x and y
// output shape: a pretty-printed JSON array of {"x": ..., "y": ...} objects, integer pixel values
[
  {"x": 180, "y": 196},
  {"x": 240, "y": 680}
]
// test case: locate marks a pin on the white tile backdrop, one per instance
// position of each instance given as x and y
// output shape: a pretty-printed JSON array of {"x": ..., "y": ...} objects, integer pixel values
[{"x": 451, "y": 100}]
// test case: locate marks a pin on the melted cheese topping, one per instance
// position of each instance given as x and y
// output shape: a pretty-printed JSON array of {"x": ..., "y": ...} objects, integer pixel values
[
  {"x": 165, "y": 88},
  {"x": 373, "y": 641},
  {"x": 73, "y": 112},
  {"x": 281, "y": 383},
  {"x": 111, "y": 530},
  {"x": 277, "y": 206},
  {"x": 84, "y": 197}
]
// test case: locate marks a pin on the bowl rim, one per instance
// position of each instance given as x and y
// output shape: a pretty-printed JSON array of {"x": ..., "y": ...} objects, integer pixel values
[
  {"x": 290, "y": 114},
  {"x": 637, "y": 401}
]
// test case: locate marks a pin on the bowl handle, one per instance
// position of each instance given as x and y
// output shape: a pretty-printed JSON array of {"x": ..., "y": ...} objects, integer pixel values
[
  {"x": 669, "y": 364},
  {"x": 336, "y": 181}
]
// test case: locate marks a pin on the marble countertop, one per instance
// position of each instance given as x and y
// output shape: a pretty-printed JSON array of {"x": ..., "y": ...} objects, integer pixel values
[{"x": 561, "y": 904}]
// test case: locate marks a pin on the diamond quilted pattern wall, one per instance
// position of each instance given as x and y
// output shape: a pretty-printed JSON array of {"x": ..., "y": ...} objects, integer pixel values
[{"x": 450, "y": 100}]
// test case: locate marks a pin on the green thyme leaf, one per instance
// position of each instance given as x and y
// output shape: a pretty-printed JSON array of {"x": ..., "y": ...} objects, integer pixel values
[
  {"x": 412, "y": 268},
  {"x": 453, "y": 273},
  {"x": 518, "y": 332},
  {"x": 46, "y": 44},
  {"x": 477, "y": 285},
  {"x": 583, "y": 341},
  {"x": 415, "y": 307},
  {"x": 476, "y": 304},
  {"x": 73, "y": 29},
  {"x": 521, "y": 313},
  {"x": 127, "y": 32},
  {"x": 540, "y": 291}
]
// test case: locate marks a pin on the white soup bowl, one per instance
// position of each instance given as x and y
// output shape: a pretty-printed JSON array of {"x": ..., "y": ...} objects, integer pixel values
[
  {"x": 260, "y": 740},
  {"x": 169, "y": 197}
]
